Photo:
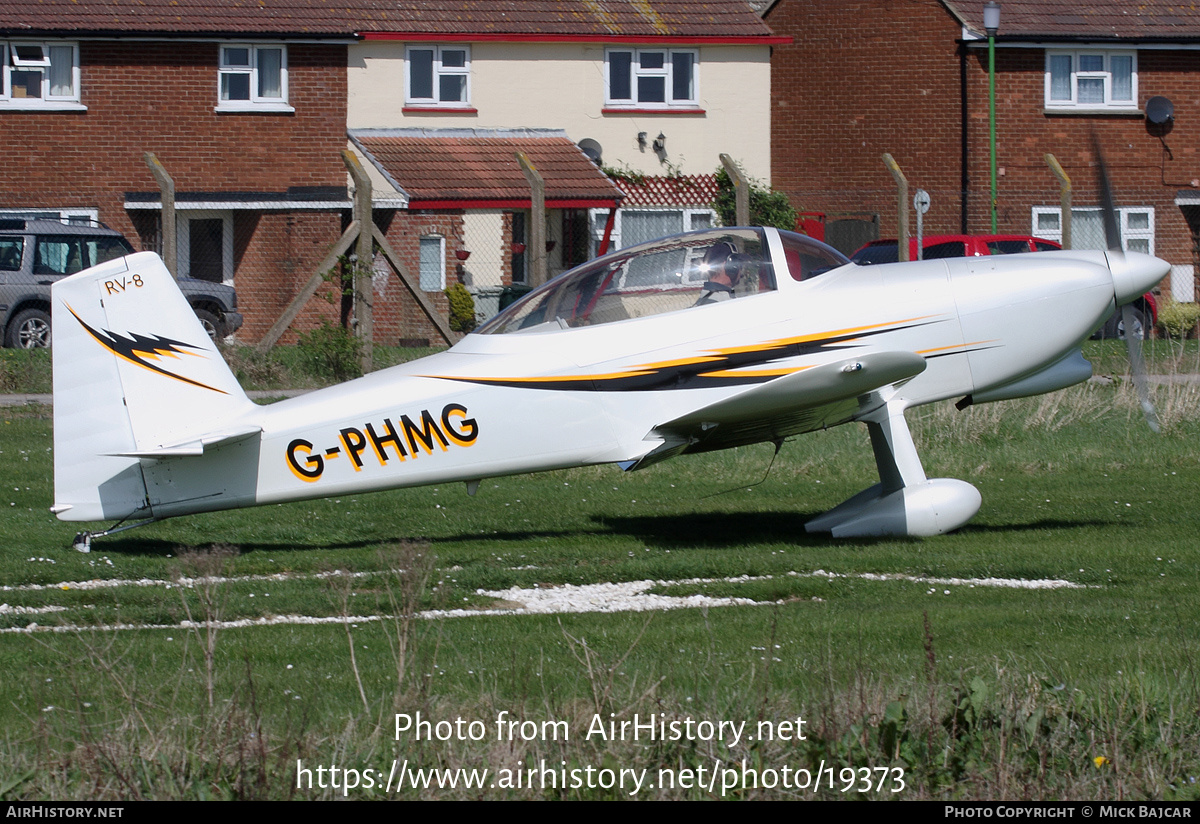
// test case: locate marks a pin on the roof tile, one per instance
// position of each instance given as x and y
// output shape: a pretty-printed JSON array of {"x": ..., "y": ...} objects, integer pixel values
[
  {"x": 678, "y": 191},
  {"x": 1144, "y": 19},
  {"x": 680, "y": 18},
  {"x": 481, "y": 165}
]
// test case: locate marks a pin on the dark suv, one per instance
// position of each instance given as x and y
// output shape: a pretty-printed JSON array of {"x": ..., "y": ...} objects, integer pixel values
[{"x": 36, "y": 253}]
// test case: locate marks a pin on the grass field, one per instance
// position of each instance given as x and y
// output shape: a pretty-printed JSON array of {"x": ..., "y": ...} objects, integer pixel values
[{"x": 910, "y": 660}]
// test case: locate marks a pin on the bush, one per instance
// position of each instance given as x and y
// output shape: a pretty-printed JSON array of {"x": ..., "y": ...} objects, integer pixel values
[
  {"x": 25, "y": 370},
  {"x": 462, "y": 308},
  {"x": 330, "y": 351},
  {"x": 767, "y": 207},
  {"x": 1178, "y": 320},
  {"x": 253, "y": 370}
]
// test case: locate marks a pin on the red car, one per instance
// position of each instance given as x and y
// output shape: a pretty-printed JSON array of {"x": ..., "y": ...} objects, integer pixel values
[{"x": 948, "y": 246}]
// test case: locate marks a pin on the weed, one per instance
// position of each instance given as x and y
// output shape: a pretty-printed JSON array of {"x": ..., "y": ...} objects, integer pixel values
[
  {"x": 330, "y": 352},
  {"x": 24, "y": 370},
  {"x": 408, "y": 569},
  {"x": 602, "y": 677},
  {"x": 252, "y": 369},
  {"x": 202, "y": 573}
]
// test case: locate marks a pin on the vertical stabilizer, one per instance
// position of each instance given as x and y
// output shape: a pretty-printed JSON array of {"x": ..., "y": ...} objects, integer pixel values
[{"x": 134, "y": 373}]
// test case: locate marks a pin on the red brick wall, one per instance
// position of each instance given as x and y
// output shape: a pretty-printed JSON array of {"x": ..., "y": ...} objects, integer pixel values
[
  {"x": 397, "y": 315},
  {"x": 275, "y": 254},
  {"x": 160, "y": 97},
  {"x": 1025, "y": 133},
  {"x": 862, "y": 78},
  {"x": 874, "y": 76}
]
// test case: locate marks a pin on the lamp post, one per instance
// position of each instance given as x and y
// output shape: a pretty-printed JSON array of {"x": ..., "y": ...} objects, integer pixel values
[{"x": 991, "y": 23}]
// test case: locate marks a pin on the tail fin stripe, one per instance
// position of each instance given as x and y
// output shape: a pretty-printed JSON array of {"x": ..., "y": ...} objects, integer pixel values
[{"x": 131, "y": 349}]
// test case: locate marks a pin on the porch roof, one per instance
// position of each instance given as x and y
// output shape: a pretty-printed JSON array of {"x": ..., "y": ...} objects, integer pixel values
[{"x": 478, "y": 168}]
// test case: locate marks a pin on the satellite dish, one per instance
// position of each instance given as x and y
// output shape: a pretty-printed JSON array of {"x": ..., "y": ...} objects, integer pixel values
[
  {"x": 592, "y": 149},
  {"x": 1160, "y": 110}
]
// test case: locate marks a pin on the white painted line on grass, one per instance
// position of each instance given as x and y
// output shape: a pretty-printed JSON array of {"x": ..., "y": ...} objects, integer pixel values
[
  {"x": 110, "y": 583},
  {"x": 630, "y": 596}
]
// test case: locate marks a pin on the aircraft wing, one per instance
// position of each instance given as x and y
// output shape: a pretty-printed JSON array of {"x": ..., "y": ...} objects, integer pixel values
[{"x": 814, "y": 398}]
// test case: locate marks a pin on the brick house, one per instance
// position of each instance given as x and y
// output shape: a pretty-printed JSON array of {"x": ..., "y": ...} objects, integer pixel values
[
  {"x": 249, "y": 106},
  {"x": 244, "y": 106},
  {"x": 653, "y": 90},
  {"x": 873, "y": 76}
]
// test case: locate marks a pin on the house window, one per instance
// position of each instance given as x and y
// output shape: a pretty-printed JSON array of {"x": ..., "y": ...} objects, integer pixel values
[
  {"x": 433, "y": 264},
  {"x": 634, "y": 226},
  {"x": 438, "y": 76},
  {"x": 651, "y": 78},
  {"x": 253, "y": 78},
  {"x": 39, "y": 75},
  {"x": 1087, "y": 227},
  {"x": 1091, "y": 80}
]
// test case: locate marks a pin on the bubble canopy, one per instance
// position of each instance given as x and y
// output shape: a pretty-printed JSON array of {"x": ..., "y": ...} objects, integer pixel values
[{"x": 688, "y": 271}]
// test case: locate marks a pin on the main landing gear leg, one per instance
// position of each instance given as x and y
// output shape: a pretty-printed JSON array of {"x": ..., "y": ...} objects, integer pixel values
[{"x": 904, "y": 502}]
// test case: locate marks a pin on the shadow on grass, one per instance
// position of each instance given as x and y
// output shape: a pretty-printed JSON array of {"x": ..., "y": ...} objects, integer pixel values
[
  {"x": 1053, "y": 524},
  {"x": 738, "y": 529},
  {"x": 712, "y": 530},
  {"x": 717, "y": 529},
  {"x": 157, "y": 548}
]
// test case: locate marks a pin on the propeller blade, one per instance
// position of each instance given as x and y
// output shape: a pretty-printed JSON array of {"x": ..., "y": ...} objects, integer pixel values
[
  {"x": 1137, "y": 367},
  {"x": 1133, "y": 336},
  {"x": 1112, "y": 227}
]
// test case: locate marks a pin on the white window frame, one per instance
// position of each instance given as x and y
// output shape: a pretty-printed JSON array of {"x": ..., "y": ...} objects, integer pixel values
[
  {"x": 256, "y": 101},
  {"x": 598, "y": 218},
  {"x": 183, "y": 240},
  {"x": 1105, "y": 74},
  {"x": 636, "y": 72},
  {"x": 440, "y": 70},
  {"x": 82, "y": 217},
  {"x": 1124, "y": 215},
  {"x": 9, "y": 62},
  {"x": 426, "y": 278}
]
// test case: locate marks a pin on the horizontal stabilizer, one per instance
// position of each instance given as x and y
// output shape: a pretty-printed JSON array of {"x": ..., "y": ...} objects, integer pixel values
[{"x": 196, "y": 446}]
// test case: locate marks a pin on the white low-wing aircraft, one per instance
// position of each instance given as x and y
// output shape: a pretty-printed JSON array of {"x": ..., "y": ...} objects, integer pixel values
[{"x": 701, "y": 341}]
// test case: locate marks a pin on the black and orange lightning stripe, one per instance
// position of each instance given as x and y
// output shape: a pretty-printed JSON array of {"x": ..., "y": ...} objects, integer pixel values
[
  {"x": 141, "y": 350},
  {"x": 714, "y": 367}
]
